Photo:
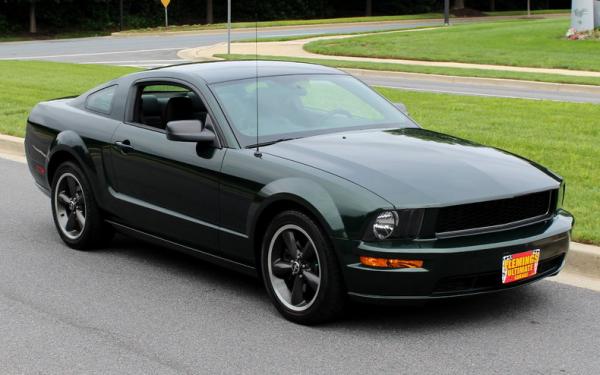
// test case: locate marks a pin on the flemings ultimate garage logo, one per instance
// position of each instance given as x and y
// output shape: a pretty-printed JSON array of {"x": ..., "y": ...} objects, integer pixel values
[{"x": 520, "y": 266}]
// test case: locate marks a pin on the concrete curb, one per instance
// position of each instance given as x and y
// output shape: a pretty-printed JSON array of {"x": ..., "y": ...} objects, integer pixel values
[
  {"x": 583, "y": 260},
  {"x": 12, "y": 145}
]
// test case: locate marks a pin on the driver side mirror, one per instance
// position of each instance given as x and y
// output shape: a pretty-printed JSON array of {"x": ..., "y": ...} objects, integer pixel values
[
  {"x": 401, "y": 107},
  {"x": 189, "y": 131}
]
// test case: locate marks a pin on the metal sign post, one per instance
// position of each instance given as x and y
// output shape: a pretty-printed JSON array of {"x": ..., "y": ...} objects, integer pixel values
[
  {"x": 228, "y": 27},
  {"x": 165, "y": 4}
]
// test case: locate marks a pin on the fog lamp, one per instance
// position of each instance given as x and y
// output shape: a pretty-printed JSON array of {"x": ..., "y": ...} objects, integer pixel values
[{"x": 391, "y": 263}]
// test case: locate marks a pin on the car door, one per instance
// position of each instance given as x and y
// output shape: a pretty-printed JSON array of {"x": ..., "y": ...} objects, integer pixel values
[{"x": 166, "y": 188}]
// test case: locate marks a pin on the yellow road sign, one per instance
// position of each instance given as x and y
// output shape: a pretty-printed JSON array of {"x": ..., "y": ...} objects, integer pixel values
[{"x": 165, "y": 3}]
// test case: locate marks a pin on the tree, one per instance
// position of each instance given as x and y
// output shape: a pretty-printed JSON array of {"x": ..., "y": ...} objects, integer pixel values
[
  {"x": 459, "y": 4},
  {"x": 209, "y": 12},
  {"x": 369, "y": 8},
  {"x": 492, "y": 5},
  {"x": 528, "y": 8},
  {"x": 32, "y": 17}
]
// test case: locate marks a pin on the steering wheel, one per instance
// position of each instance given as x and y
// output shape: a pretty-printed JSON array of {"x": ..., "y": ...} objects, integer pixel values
[{"x": 335, "y": 113}]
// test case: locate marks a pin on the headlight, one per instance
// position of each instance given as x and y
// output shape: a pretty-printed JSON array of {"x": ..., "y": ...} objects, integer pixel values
[
  {"x": 385, "y": 224},
  {"x": 395, "y": 224}
]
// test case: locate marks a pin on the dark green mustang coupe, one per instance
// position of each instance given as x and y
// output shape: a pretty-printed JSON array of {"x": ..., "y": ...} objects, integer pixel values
[{"x": 298, "y": 174}]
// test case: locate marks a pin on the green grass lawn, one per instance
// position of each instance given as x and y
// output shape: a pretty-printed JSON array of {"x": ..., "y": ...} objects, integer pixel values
[
  {"x": 532, "y": 43},
  {"x": 482, "y": 73},
  {"x": 24, "y": 83},
  {"x": 563, "y": 136}
]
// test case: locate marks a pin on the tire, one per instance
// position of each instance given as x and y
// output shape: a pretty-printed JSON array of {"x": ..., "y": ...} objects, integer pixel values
[
  {"x": 304, "y": 285},
  {"x": 76, "y": 215}
]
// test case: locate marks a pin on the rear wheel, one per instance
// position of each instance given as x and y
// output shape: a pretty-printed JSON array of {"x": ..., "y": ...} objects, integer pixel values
[
  {"x": 300, "y": 270},
  {"x": 76, "y": 215}
]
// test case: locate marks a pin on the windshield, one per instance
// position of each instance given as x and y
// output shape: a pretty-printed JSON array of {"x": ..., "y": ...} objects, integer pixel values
[{"x": 295, "y": 106}]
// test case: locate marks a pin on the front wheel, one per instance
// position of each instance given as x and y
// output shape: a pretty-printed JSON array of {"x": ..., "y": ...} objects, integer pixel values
[{"x": 300, "y": 270}]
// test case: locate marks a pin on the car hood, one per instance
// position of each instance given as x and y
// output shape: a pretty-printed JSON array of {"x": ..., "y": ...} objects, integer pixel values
[{"x": 418, "y": 168}]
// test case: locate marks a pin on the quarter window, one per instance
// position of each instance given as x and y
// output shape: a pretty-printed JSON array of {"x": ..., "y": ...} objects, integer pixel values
[{"x": 101, "y": 101}]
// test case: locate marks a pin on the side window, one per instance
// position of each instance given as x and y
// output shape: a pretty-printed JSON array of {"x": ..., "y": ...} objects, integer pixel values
[
  {"x": 159, "y": 103},
  {"x": 101, "y": 101}
]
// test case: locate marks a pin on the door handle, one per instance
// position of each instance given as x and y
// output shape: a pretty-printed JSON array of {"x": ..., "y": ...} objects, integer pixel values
[{"x": 125, "y": 146}]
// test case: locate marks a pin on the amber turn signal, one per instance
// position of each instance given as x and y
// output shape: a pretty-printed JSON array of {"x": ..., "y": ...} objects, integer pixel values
[{"x": 391, "y": 263}]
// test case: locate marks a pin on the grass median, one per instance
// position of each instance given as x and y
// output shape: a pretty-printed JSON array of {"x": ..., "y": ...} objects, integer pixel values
[
  {"x": 528, "y": 43},
  {"x": 562, "y": 136},
  {"x": 460, "y": 72}
]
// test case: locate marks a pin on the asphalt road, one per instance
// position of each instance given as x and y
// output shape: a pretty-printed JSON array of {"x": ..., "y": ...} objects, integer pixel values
[
  {"x": 509, "y": 89},
  {"x": 135, "y": 308},
  {"x": 152, "y": 51},
  {"x": 147, "y": 51}
]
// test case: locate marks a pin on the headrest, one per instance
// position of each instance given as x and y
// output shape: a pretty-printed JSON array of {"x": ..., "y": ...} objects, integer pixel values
[
  {"x": 179, "y": 108},
  {"x": 151, "y": 106}
]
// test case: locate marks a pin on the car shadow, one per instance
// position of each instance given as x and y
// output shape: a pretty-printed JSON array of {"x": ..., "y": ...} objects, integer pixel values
[
  {"x": 517, "y": 304},
  {"x": 182, "y": 265}
]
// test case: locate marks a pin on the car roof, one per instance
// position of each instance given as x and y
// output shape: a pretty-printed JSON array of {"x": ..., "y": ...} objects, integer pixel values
[{"x": 221, "y": 71}]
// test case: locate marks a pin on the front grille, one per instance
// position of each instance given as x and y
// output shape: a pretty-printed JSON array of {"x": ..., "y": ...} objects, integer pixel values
[
  {"x": 494, "y": 213},
  {"x": 492, "y": 280}
]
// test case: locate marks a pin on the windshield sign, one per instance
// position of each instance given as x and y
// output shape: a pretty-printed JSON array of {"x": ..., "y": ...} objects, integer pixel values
[{"x": 296, "y": 106}]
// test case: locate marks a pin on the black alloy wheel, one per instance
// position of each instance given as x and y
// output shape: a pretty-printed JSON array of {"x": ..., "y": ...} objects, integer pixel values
[{"x": 300, "y": 270}]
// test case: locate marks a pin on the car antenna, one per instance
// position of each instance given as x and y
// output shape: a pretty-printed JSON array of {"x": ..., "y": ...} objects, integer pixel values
[{"x": 257, "y": 153}]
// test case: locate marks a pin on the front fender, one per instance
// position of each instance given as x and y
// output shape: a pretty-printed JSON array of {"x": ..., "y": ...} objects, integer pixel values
[{"x": 304, "y": 192}]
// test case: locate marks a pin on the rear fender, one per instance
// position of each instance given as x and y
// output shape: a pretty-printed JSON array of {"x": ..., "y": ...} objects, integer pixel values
[{"x": 69, "y": 142}]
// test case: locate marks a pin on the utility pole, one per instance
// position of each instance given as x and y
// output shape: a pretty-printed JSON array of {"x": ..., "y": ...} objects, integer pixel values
[
  {"x": 209, "y": 12},
  {"x": 447, "y": 12},
  {"x": 228, "y": 27}
]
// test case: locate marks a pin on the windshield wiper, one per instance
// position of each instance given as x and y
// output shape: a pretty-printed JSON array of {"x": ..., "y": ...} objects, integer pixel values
[{"x": 271, "y": 142}]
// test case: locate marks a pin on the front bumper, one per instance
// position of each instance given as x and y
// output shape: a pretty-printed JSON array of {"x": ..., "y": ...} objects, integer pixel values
[{"x": 452, "y": 267}]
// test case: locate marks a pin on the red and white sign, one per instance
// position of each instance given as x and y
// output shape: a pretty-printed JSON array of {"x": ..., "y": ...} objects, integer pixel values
[{"x": 516, "y": 267}]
